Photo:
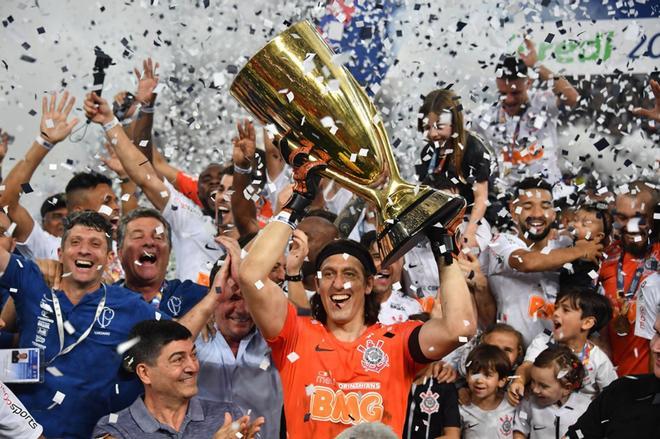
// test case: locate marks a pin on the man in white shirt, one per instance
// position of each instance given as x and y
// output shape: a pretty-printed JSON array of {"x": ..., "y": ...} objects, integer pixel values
[
  {"x": 523, "y": 267},
  {"x": 522, "y": 127}
]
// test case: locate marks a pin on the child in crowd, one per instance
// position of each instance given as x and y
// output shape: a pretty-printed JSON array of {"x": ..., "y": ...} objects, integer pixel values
[
  {"x": 489, "y": 415},
  {"x": 589, "y": 223},
  {"x": 501, "y": 335},
  {"x": 555, "y": 403},
  {"x": 432, "y": 405},
  {"x": 578, "y": 314}
]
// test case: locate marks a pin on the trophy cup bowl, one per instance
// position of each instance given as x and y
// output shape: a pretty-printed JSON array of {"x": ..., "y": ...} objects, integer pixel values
[{"x": 293, "y": 84}]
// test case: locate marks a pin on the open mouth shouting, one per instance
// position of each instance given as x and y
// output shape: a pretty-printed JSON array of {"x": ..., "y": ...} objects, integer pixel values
[{"x": 147, "y": 258}]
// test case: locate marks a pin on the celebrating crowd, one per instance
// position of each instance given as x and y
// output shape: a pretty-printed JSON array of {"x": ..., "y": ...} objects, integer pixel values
[{"x": 252, "y": 300}]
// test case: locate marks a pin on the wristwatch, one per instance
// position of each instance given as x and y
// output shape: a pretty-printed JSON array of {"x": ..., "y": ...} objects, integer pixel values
[{"x": 296, "y": 278}]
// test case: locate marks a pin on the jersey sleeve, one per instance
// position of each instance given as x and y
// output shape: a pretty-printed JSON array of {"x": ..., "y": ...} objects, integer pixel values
[
  {"x": 523, "y": 417},
  {"x": 538, "y": 345},
  {"x": 21, "y": 278},
  {"x": 477, "y": 161},
  {"x": 187, "y": 185},
  {"x": 648, "y": 299},
  {"x": 500, "y": 250},
  {"x": 178, "y": 211},
  {"x": 15, "y": 420},
  {"x": 605, "y": 372},
  {"x": 449, "y": 403},
  {"x": 283, "y": 343},
  {"x": 39, "y": 244}
]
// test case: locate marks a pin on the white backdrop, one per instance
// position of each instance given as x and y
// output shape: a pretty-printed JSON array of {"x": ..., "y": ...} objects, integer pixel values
[{"x": 196, "y": 47}]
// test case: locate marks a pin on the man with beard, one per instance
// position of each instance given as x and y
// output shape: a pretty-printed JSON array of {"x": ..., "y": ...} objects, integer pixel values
[
  {"x": 629, "y": 263},
  {"x": 523, "y": 268}
]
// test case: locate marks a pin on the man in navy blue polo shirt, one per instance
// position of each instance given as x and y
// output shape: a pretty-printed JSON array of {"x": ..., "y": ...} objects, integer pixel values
[
  {"x": 79, "y": 327},
  {"x": 144, "y": 242}
]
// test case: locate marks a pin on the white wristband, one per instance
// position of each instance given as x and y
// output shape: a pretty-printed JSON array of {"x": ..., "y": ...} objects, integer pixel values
[
  {"x": 285, "y": 218},
  {"x": 240, "y": 170},
  {"x": 147, "y": 109},
  {"x": 43, "y": 142},
  {"x": 110, "y": 125}
]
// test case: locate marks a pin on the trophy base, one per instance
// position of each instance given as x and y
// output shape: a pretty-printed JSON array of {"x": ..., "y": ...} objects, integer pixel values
[{"x": 434, "y": 207}]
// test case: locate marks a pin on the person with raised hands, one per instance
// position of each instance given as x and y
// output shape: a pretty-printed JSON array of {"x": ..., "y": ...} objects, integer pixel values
[
  {"x": 343, "y": 367},
  {"x": 193, "y": 229}
]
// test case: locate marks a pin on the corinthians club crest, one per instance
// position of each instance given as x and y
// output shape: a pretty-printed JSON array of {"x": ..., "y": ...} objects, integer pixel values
[
  {"x": 429, "y": 402},
  {"x": 373, "y": 357}
]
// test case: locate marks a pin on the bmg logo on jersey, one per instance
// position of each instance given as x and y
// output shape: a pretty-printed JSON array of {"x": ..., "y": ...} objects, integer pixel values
[{"x": 347, "y": 408}]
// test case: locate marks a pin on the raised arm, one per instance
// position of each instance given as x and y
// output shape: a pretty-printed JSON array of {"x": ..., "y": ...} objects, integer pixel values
[
  {"x": 242, "y": 206},
  {"x": 274, "y": 161},
  {"x": 540, "y": 260},
  {"x": 563, "y": 89},
  {"x": 265, "y": 299},
  {"x": 135, "y": 163},
  {"x": 54, "y": 128},
  {"x": 441, "y": 335},
  {"x": 146, "y": 96},
  {"x": 651, "y": 113}
]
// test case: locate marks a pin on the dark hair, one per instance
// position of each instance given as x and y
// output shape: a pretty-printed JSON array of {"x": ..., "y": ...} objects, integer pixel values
[
  {"x": 567, "y": 367},
  {"x": 530, "y": 183},
  {"x": 91, "y": 219},
  {"x": 602, "y": 215},
  {"x": 511, "y": 67},
  {"x": 348, "y": 246},
  {"x": 503, "y": 327},
  {"x": 86, "y": 180},
  {"x": 142, "y": 212},
  {"x": 51, "y": 203},
  {"x": 368, "y": 239},
  {"x": 590, "y": 304},
  {"x": 150, "y": 336},
  {"x": 353, "y": 248},
  {"x": 322, "y": 213},
  {"x": 486, "y": 358},
  {"x": 445, "y": 100}
]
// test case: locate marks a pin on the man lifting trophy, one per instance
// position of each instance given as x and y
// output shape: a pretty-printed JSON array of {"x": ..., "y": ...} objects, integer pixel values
[{"x": 329, "y": 126}]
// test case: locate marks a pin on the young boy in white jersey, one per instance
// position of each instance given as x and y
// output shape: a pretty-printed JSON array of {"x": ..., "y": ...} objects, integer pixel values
[
  {"x": 577, "y": 315},
  {"x": 555, "y": 403},
  {"x": 489, "y": 415}
]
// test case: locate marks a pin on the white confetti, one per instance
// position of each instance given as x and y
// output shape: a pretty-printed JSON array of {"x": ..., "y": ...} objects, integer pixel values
[
  {"x": 126, "y": 345},
  {"x": 347, "y": 285},
  {"x": 49, "y": 123},
  {"x": 259, "y": 284},
  {"x": 112, "y": 418},
  {"x": 69, "y": 327},
  {"x": 293, "y": 357},
  {"x": 54, "y": 371},
  {"x": 59, "y": 397},
  {"x": 105, "y": 210}
]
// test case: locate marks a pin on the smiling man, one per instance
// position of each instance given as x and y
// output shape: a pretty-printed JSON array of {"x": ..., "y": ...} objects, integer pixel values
[
  {"x": 165, "y": 359},
  {"x": 144, "y": 242},
  {"x": 523, "y": 267},
  {"x": 79, "y": 328},
  {"x": 522, "y": 126},
  {"x": 343, "y": 367}
]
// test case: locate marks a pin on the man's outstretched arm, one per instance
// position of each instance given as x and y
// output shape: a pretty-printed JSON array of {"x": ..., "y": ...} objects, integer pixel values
[{"x": 54, "y": 128}]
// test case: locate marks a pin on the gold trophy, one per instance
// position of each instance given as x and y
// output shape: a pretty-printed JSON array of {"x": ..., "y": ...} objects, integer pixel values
[{"x": 316, "y": 104}]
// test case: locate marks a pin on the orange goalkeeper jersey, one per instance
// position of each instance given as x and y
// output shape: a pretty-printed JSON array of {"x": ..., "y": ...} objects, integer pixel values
[{"x": 330, "y": 385}]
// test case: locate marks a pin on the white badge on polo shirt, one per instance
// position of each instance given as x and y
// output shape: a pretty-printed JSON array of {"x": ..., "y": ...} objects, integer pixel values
[{"x": 61, "y": 324}]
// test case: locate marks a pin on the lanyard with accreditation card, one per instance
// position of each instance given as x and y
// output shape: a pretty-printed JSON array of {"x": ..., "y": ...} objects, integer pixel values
[{"x": 60, "y": 324}]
